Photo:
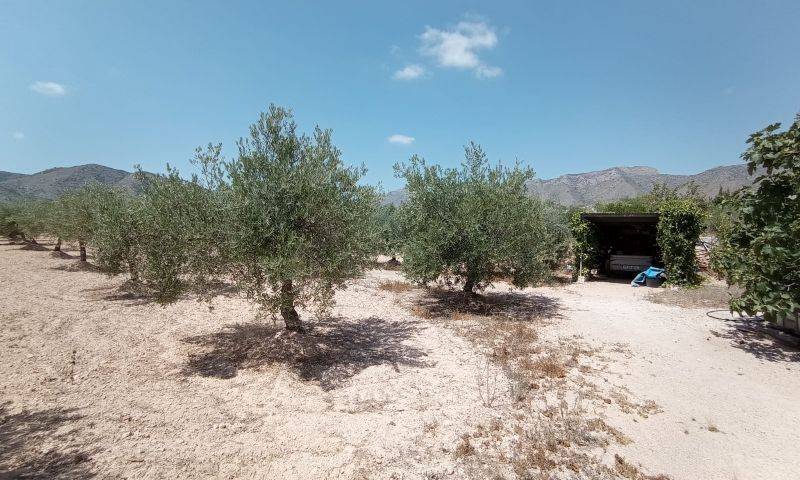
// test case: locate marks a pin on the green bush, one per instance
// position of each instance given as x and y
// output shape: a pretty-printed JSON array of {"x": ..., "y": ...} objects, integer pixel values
[
  {"x": 759, "y": 247},
  {"x": 469, "y": 225},
  {"x": 680, "y": 223}
]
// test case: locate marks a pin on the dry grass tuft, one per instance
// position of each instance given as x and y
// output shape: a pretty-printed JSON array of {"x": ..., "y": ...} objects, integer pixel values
[
  {"x": 541, "y": 439},
  {"x": 631, "y": 472},
  {"x": 464, "y": 448},
  {"x": 395, "y": 286},
  {"x": 550, "y": 366},
  {"x": 421, "y": 312},
  {"x": 714, "y": 295}
]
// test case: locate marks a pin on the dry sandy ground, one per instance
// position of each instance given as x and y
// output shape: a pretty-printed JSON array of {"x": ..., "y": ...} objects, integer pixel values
[{"x": 95, "y": 380}]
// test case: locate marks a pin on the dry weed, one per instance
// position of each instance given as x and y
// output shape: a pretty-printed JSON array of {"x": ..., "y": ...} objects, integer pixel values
[
  {"x": 631, "y": 472},
  {"x": 464, "y": 448},
  {"x": 703, "y": 296},
  {"x": 421, "y": 312},
  {"x": 395, "y": 286},
  {"x": 538, "y": 439}
]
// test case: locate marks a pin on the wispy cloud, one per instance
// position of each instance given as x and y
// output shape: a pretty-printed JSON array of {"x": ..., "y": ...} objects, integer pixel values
[
  {"x": 51, "y": 89},
  {"x": 400, "y": 139},
  {"x": 459, "y": 47},
  {"x": 410, "y": 72},
  {"x": 488, "y": 72},
  {"x": 18, "y": 135}
]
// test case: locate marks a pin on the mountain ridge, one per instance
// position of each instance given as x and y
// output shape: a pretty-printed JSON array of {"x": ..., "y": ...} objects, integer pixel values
[
  {"x": 570, "y": 189},
  {"x": 616, "y": 183},
  {"x": 52, "y": 182}
]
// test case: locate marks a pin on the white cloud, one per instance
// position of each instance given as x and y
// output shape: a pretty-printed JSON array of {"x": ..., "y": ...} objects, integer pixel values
[
  {"x": 459, "y": 47},
  {"x": 401, "y": 139},
  {"x": 488, "y": 72},
  {"x": 51, "y": 89},
  {"x": 409, "y": 72},
  {"x": 18, "y": 135}
]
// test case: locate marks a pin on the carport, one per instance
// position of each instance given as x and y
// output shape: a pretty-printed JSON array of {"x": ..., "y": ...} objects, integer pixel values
[{"x": 626, "y": 242}]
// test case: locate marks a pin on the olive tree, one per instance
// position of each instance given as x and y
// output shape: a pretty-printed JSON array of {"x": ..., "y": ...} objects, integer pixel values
[
  {"x": 117, "y": 234},
  {"x": 8, "y": 220},
  {"x": 297, "y": 223},
  {"x": 32, "y": 218},
  {"x": 471, "y": 224},
  {"x": 389, "y": 226},
  {"x": 72, "y": 216},
  {"x": 759, "y": 247},
  {"x": 176, "y": 221}
]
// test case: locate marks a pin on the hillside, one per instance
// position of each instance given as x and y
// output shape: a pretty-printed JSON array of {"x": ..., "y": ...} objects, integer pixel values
[
  {"x": 55, "y": 181},
  {"x": 620, "y": 182}
]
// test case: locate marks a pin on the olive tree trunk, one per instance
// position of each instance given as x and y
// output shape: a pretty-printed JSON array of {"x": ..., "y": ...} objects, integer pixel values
[
  {"x": 469, "y": 285},
  {"x": 288, "y": 312},
  {"x": 82, "y": 246},
  {"x": 57, "y": 248}
]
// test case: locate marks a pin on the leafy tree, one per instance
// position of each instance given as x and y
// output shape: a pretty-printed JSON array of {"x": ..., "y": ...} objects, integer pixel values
[
  {"x": 117, "y": 234},
  {"x": 651, "y": 202},
  {"x": 8, "y": 224},
  {"x": 584, "y": 244},
  {"x": 390, "y": 230},
  {"x": 32, "y": 218},
  {"x": 174, "y": 219},
  {"x": 471, "y": 224},
  {"x": 72, "y": 216},
  {"x": 680, "y": 222},
  {"x": 297, "y": 222},
  {"x": 759, "y": 248}
]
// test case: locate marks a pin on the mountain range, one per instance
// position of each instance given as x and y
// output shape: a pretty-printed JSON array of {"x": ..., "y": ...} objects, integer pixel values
[
  {"x": 572, "y": 189},
  {"x": 621, "y": 182}
]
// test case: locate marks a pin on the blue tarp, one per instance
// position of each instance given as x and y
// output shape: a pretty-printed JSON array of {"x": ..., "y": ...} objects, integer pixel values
[{"x": 651, "y": 272}]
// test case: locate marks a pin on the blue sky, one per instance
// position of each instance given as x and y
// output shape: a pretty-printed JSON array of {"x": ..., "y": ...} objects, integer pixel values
[{"x": 562, "y": 86}]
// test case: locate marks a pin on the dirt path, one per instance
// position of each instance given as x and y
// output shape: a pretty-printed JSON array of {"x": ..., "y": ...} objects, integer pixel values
[
  {"x": 730, "y": 400},
  {"x": 97, "y": 380}
]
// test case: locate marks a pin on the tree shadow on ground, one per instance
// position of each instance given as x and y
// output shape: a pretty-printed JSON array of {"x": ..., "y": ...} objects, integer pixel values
[
  {"x": 333, "y": 351},
  {"x": 132, "y": 293},
  {"x": 445, "y": 303},
  {"x": 39, "y": 445},
  {"x": 76, "y": 266},
  {"x": 754, "y": 336},
  {"x": 37, "y": 247},
  {"x": 63, "y": 255}
]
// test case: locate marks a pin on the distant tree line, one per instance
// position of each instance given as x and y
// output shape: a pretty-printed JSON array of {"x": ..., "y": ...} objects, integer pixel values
[{"x": 289, "y": 223}]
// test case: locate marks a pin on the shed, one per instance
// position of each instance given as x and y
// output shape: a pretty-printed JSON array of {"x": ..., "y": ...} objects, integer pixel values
[{"x": 627, "y": 242}]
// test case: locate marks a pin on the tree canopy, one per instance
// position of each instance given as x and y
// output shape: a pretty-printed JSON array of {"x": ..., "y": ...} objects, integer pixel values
[
  {"x": 475, "y": 223},
  {"x": 759, "y": 247}
]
